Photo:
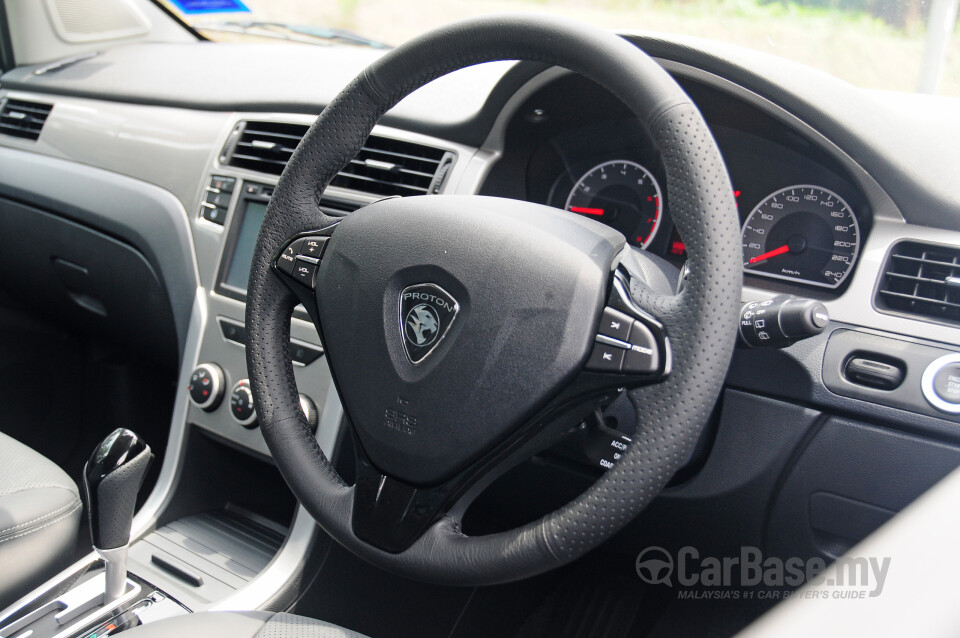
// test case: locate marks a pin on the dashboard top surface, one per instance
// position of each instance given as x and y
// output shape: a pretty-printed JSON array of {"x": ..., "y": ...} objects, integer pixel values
[{"x": 900, "y": 142}]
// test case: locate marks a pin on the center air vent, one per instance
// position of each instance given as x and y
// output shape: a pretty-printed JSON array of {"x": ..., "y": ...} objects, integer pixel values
[
  {"x": 922, "y": 279},
  {"x": 383, "y": 167},
  {"x": 20, "y": 118}
]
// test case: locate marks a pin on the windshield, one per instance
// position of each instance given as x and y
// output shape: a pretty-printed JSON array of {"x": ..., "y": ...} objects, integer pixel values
[{"x": 899, "y": 45}]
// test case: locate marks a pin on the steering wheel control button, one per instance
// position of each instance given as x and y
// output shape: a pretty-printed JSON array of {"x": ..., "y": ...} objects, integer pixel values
[
  {"x": 605, "y": 358},
  {"x": 304, "y": 270},
  {"x": 206, "y": 386},
  {"x": 241, "y": 404},
  {"x": 312, "y": 246},
  {"x": 940, "y": 384},
  {"x": 642, "y": 357},
  {"x": 615, "y": 324}
]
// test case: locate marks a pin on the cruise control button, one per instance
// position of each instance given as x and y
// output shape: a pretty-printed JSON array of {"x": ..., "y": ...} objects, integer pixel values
[
  {"x": 605, "y": 358},
  {"x": 304, "y": 271},
  {"x": 313, "y": 246},
  {"x": 642, "y": 357},
  {"x": 615, "y": 324}
]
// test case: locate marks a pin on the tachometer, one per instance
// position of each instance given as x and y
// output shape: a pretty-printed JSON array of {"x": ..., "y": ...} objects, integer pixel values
[
  {"x": 802, "y": 233},
  {"x": 623, "y": 195}
]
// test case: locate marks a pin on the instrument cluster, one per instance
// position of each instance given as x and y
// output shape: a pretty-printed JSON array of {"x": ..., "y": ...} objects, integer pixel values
[{"x": 803, "y": 221}]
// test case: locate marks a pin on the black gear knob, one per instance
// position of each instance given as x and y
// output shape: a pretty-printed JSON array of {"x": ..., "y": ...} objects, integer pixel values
[{"x": 112, "y": 479}]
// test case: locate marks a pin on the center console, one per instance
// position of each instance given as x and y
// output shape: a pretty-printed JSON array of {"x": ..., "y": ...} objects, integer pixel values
[{"x": 221, "y": 402}]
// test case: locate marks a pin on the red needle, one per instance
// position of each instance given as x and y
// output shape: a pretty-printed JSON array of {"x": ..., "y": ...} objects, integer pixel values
[
  {"x": 587, "y": 211},
  {"x": 772, "y": 253}
]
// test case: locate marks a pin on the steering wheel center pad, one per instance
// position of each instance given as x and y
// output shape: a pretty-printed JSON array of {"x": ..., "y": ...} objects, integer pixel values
[{"x": 530, "y": 282}]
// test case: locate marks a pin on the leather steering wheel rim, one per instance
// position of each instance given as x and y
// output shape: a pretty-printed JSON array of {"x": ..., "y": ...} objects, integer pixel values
[{"x": 700, "y": 320}]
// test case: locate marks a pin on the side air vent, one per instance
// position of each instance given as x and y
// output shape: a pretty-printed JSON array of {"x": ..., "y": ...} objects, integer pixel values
[
  {"x": 391, "y": 167},
  {"x": 265, "y": 147},
  {"x": 19, "y": 118},
  {"x": 922, "y": 279},
  {"x": 383, "y": 167}
]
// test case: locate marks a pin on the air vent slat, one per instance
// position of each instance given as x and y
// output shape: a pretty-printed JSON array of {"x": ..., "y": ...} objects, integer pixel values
[
  {"x": 373, "y": 180},
  {"x": 383, "y": 167},
  {"x": 20, "y": 118},
  {"x": 920, "y": 279},
  {"x": 367, "y": 149}
]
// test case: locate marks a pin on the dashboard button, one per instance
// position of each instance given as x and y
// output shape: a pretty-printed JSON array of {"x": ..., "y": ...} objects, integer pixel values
[
  {"x": 615, "y": 324},
  {"x": 946, "y": 383},
  {"x": 304, "y": 354},
  {"x": 605, "y": 358},
  {"x": 213, "y": 213},
  {"x": 220, "y": 200},
  {"x": 940, "y": 383},
  {"x": 223, "y": 184},
  {"x": 642, "y": 357}
]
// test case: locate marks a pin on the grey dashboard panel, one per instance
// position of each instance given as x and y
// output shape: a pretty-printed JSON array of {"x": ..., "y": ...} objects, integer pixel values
[
  {"x": 286, "y": 78},
  {"x": 147, "y": 217},
  {"x": 899, "y": 142}
]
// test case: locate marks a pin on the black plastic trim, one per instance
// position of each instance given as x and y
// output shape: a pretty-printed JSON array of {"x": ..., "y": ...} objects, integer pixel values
[{"x": 7, "y": 58}]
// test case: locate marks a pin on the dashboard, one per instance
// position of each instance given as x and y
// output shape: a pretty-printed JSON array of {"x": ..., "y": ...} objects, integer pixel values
[
  {"x": 822, "y": 201},
  {"x": 149, "y": 176}
]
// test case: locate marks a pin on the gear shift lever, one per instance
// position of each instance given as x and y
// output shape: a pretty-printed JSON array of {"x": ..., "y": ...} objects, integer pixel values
[{"x": 112, "y": 478}]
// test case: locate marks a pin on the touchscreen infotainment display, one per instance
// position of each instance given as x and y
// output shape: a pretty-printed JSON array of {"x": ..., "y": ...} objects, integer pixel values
[{"x": 239, "y": 270}]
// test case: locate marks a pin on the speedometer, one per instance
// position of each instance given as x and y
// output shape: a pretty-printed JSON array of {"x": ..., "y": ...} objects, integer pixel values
[
  {"x": 802, "y": 233},
  {"x": 621, "y": 194}
]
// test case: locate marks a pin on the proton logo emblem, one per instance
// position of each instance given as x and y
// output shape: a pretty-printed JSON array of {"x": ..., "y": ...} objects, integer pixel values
[
  {"x": 422, "y": 325},
  {"x": 426, "y": 313}
]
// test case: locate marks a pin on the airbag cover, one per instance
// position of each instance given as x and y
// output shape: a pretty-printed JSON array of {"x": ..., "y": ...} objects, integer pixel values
[{"x": 528, "y": 283}]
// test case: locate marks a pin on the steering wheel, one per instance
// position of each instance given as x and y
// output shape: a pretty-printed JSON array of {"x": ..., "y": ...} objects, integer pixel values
[{"x": 465, "y": 334}]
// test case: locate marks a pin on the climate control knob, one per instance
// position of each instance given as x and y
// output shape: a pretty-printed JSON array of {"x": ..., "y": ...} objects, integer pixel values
[
  {"x": 206, "y": 386},
  {"x": 241, "y": 404}
]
